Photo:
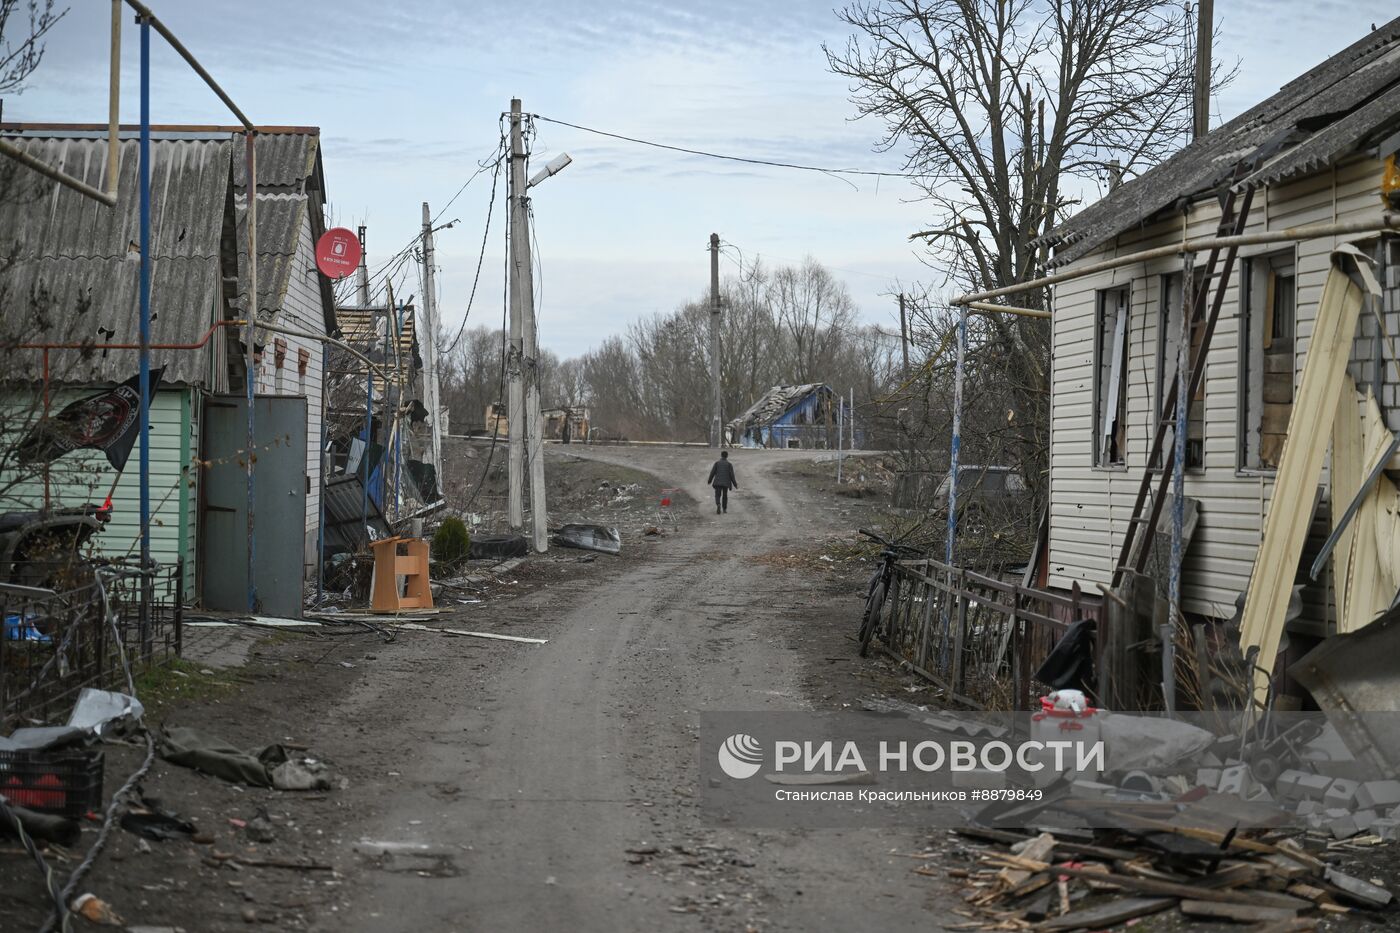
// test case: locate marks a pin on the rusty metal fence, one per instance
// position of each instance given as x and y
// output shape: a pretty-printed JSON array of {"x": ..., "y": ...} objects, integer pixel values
[
  {"x": 979, "y": 638},
  {"x": 58, "y": 641}
]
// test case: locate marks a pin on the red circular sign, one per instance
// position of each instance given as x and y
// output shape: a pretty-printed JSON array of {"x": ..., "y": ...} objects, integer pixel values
[{"x": 338, "y": 252}]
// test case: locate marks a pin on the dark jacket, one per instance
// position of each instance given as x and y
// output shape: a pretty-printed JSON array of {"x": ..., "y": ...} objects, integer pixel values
[{"x": 722, "y": 474}]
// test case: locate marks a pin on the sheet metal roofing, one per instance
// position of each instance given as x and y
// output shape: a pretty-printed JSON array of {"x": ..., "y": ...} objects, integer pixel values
[
  {"x": 1344, "y": 104},
  {"x": 775, "y": 403},
  {"x": 69, "y": 266}
]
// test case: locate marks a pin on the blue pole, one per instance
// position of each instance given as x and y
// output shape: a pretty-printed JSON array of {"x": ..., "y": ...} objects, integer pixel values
[
  {"x": 364, "y": 454},
  {"x": 145, "y": 317}
]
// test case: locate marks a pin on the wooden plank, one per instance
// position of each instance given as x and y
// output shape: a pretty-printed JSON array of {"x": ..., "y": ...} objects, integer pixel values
[
  {"x": 1171, "y": 888},
  {"x": 1300, "y": 467},
  {"x": 1240, "y": 913},
  {"x": 1116, "y": 911}
]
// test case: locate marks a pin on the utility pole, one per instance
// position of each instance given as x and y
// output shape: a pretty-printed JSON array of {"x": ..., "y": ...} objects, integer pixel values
[
  {"x": 515, "y": 393},
  {"x": 904, "y": 336},
  {"x": 716, "y": 417},
  {"x": 430, "y": 378},
  {"x": 362, "y": 274},
  {"x": 1205, "y": 23},
  {"x": 524, "y": 399}
]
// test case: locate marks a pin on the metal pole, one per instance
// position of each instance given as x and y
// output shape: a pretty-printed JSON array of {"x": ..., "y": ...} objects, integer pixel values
[
  {"x": 1181, "y": 430},
  {"x": 840, "y": 412},
  {"x": 321, "y": 482},
  {"x": 716, "y": 415},
  {"x": 430, "y": 377},
  {"x": 955, "y": 449},
  {"x": 144, "y": 321},
  {"x": 249, "y": 360},
  {"x": 851, "y": 421},
  {"x": 364, "y": 454},
  {"x": 362, "y": 274},
  {"x": 904, "y": 336},
  {"x": 1388, "y": 220},
  {"x": 515, "y": 399}
]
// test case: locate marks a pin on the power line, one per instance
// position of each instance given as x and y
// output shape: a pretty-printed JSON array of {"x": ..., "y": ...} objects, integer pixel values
[
  {"x": 733, "y": 158},
  {"x": 481, "y": 257}
]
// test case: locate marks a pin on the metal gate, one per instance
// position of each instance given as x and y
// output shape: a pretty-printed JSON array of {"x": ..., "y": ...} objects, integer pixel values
[{"x": 279, "y": 504}]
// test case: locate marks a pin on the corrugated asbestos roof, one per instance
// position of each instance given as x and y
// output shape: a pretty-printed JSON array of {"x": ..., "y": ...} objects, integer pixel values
[
  {"x": 69, "y": 266},
  {"x": 775, "y": 403},
  {"x": 286, "y": 162},
  {"x": 279, "y": 235},
  {"x": 1340, "y": 106}
]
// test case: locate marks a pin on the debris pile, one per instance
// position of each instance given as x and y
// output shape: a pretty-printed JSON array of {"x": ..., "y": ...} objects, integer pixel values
[{"x": 1069, "y": 879}]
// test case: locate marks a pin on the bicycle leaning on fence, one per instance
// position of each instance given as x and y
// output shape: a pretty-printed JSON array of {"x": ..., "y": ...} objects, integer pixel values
[{"x": 871, "y": 621}]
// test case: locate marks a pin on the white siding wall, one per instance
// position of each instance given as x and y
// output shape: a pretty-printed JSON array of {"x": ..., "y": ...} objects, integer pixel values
[
  {"x": 302, "y": 310},
  {"x": 1090, "y": 507},
  {"x": 84, "y": 476}
]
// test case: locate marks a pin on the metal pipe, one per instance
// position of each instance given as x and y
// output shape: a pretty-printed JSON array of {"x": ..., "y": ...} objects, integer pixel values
[
  {"x": 147, "y": 16},
  {"x": 321, "y": 484},
  {"x": 114, "y": 84},
  {"x": 48, "y": 171},
  {"x": 955, "y": 449},
  {"x": 249, "y": 361},
  {"x": 92, "y": 347},
  {"x": 144, "y": 321},
  {"x": 986, "y": 307},
  {"x": 1388, "y": 220},
  {"x": 364, "y": 454}
]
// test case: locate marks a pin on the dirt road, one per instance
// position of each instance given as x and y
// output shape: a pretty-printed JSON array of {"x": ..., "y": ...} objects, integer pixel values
[
  {"x": 485, "y": 785},
  {"x": 530, "y": 787}
]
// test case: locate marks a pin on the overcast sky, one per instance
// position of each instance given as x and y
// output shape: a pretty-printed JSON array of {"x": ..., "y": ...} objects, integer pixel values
[{"x": 408, "y": 98}]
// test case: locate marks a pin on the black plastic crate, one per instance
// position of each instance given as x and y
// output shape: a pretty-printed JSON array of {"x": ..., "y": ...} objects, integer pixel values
[{"x": 66, "y": 782}]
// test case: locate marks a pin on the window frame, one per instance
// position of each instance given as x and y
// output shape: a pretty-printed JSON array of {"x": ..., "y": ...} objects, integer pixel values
[
  {"x": 1247, "y": 461},
  {"x": 1101, "y": 391}
]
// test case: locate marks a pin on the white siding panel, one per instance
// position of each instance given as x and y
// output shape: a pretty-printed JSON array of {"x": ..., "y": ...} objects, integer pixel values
[{"x": 1089, "y": 507}]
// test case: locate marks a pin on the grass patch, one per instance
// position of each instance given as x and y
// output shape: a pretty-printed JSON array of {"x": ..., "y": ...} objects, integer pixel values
[{"x": 178, "y": 681}]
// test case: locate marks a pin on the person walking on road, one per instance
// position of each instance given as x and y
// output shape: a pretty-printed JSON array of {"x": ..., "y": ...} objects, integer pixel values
[{"x": 722, "y": 478}]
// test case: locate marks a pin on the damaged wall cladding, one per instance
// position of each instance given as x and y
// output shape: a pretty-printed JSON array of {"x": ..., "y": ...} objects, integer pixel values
[{"x": 1304, "y": 174}]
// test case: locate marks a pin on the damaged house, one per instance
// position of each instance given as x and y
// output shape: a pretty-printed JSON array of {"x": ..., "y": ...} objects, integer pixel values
[
  {"x": 70, "y": 282},
  {"x": 1293, "y": 386},
  {"x": 790, "y": 416}
]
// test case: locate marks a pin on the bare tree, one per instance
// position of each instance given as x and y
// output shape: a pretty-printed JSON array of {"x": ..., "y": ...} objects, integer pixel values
[
  {"x": 1007, "y": 111},
  {"x": 20, "y": 47}
]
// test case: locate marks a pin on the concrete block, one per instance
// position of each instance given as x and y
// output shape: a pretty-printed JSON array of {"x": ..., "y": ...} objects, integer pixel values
[
  {"x": 1386, "y": 828},
  {"x": 1394, "y": 813},
  {"x": 1259, "y": 794},
  {"x": 1312, "y": 786},
  {"x": 1364, "y": 819},
  {"x": 1208, "y": 759},
  {"x": 1379, "y": 795},
  {"x": 1339, "y": 823},
  {"x": 1314, "y": 820},
  {"x": 979, "y": 779},
  {"x": 1208, "y": 777},
  {"x": 1340, "y": 793},
  {"x": 1288, "y": 786},
  {"x": 1236, "y": 781},
  {"x": 1308, "y": 807}
]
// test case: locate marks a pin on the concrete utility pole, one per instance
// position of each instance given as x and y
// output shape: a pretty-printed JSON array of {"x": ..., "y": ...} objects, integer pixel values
[
  {"x": 904, "y": 336},
  {"x": 362, "y": 274},
  {"x": 1205, "y": 22},
  {"x": 430, "y": 377},
  {"x": 524, "y": 402},
  {"x": 717, "y": 416}
]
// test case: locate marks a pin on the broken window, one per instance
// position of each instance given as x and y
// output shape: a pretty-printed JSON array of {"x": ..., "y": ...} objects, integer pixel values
[
  {"x": 1267, "y": 359},
  {"x": 1168, "y": 341},
  {"x": 1111, "y": 383}
]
